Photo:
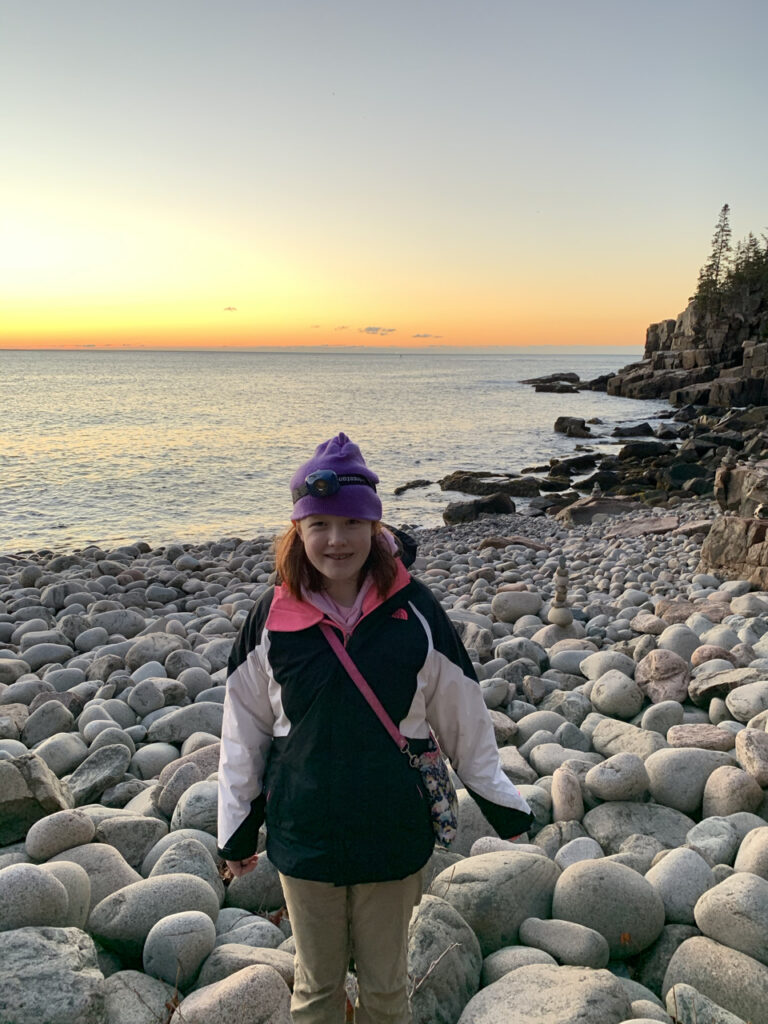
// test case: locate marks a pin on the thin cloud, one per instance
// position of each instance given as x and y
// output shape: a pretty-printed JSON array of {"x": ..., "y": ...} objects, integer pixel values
[
  {"x": 376, "y": 330},
  {"x": 230, "y": 309},
  {"x": 426, "y": 335},
  {"x": 344, "y": 327}
]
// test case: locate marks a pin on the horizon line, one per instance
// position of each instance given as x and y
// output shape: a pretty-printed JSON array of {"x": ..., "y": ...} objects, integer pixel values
[{"x": 314, "y": 348}]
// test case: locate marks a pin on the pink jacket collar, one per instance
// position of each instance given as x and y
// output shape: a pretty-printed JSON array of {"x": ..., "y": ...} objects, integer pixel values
[{"x": 287, "y": 614}]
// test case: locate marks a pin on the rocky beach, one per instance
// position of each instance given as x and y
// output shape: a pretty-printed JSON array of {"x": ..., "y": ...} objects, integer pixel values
[{"x": 628, "y": 687}]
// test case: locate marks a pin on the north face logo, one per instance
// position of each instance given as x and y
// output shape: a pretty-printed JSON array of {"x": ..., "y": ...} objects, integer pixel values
[{"x": 401, "y": 613}]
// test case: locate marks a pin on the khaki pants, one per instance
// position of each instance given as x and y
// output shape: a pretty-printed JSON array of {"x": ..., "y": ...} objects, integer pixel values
[{"x": 368, "y": 922}]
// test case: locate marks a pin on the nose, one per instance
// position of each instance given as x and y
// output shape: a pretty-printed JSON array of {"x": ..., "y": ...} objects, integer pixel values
[{"x": 337, "y": 535}]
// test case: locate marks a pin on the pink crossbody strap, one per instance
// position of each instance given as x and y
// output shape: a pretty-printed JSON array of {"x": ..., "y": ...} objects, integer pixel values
[{"x": 359, "y": 680}]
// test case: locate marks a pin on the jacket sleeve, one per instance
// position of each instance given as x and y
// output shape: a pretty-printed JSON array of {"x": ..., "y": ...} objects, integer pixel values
[
  {"x": 455, "y": 709},
  {"x": 246, "y": 737}
]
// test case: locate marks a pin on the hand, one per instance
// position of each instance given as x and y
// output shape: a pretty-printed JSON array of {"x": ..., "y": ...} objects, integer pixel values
[{"x": 242, "y": 867}]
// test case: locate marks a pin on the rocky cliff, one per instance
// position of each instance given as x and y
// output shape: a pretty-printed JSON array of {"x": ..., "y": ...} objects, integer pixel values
[{"x": 709, "y": 358}]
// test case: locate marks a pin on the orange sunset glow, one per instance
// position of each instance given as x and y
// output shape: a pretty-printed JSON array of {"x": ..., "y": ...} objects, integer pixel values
[{"x": 505, "y": 174}]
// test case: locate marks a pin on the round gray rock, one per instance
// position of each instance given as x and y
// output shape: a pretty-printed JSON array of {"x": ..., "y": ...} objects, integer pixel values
[
  {"x": 496, "y": 892},
  {"x": 132, "y": 997},
  {"x": 541, "y": 994},
  {"x": 677, "y": 776},
  {"x": 176, "y": 947},
  {"x": 56, "y": 832},
  {"x": 729, "y": 978},
  {"x": 735, "y": 913},
  {"x": 78, "y": 886},
  {"x": 123, "y": 920},
  {"x": 610, "y": 824},
  {"x": 566, "y": 941},
  {"x": 255, "y": 994},
  {"x": 31, "y": 896},
  {"x": 444, "y": 961},
  {"x": 753, "y": 853},
  {"x": 621, "y": 777},
  {"x": 680, "y": 878},
  {"x": 613, "y": 900},
  {"x": 107, "y": 869}
]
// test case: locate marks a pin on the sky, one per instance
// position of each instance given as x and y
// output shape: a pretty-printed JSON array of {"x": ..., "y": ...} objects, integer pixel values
[{"x": 239, "y": 173}]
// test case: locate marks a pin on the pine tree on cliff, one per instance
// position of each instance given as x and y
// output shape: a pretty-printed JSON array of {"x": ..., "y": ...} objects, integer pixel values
[{"x": 713, "y": 274}]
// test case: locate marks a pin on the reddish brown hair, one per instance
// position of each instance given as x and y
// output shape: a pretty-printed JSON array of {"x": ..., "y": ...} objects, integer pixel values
[{"x": 296, "y": 571}]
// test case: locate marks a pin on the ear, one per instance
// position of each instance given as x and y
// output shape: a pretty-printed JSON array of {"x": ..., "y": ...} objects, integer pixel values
[{"x": 297, "y": 528}]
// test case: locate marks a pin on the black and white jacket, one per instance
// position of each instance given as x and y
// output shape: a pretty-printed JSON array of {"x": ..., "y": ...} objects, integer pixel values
[{"x": 302, "y": 748}]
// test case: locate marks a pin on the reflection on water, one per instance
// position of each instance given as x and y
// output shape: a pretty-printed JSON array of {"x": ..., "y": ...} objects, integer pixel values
[{"x": 112, "y": 446}]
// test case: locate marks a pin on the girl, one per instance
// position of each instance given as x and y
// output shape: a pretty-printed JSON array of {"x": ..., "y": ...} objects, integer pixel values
[{"x": 348, "y": 820}]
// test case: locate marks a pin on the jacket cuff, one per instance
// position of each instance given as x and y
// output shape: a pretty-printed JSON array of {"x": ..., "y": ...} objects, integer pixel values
[
  {"x": 243, "y": 842},
  {"x": 508, "y": 822}
]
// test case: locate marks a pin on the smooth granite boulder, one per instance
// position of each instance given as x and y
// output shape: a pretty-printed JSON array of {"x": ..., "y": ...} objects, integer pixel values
[
  {"x": 542, "y": 994},
  {"x": 735, "y": 913},
  {"x": 29, "y": 791},
  {"x": 715, "y": 838},
  {"x": 122, "y": 921},
  {"x": 729, "y": 978},
  {"x": 197, "y": 807},
  {"x": 753, "y": 853},
  {"x": 103, "y": 768},
  {"x": 30, "y": 896},
  {"x": 133, "y": 836},
  {"x": 251, "y": 930},
  {"x": 106, "y": 868},
  {"x": 613, "y": 900},
  {"x": 255, "y": 994},
  {"x": 132, "y": 997},
  {"x": 50, "y": 976},
  {"x": 566, "y": 941},
  {"x": 680, "y": 878},
  {"x": 78, "y": 888},
  {"x": 678, "y": 775},
  {"x": 688, "y": 1006},
  {"x": 620, "y": 777},
  {"x": 232, "y": 956},
  {"x": 177, "y": 946},
  {"x": 444, "y": 961},
  {"x": 189, "y": 856},
  {"x": 178, "y": 725},
  {"x": 611, "y": 823},
  {"x": 496, "y": 892},
  {"x": 58, "y": 831},
  {"x": 611, "y": 736},
  {"x": 509, "y": 958},
  {"x": 259, "y": 891},
  {"x": 730, "y": 790},
  {"x": 174, "y": 837}
]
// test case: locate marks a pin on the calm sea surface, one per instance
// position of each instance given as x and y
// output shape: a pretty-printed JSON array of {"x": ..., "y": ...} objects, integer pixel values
[{"x": 110, "y": 447}]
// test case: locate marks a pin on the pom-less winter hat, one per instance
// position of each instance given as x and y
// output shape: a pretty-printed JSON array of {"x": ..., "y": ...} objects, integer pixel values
[{"x": 335, "y": 482}]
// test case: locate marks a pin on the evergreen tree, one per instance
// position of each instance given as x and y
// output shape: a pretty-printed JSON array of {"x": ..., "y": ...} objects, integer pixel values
[{"x": 714, "y": 272}]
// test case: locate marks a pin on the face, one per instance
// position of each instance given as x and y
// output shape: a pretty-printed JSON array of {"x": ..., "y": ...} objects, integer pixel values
[{"x": 337, "y": 547}]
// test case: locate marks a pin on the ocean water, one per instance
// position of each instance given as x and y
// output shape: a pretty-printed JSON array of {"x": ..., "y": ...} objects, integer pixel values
[{"x": 110, "y": 447}]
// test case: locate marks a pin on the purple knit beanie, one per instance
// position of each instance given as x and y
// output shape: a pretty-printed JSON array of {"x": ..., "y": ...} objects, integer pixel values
[{"x": 352, "y": 500}]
